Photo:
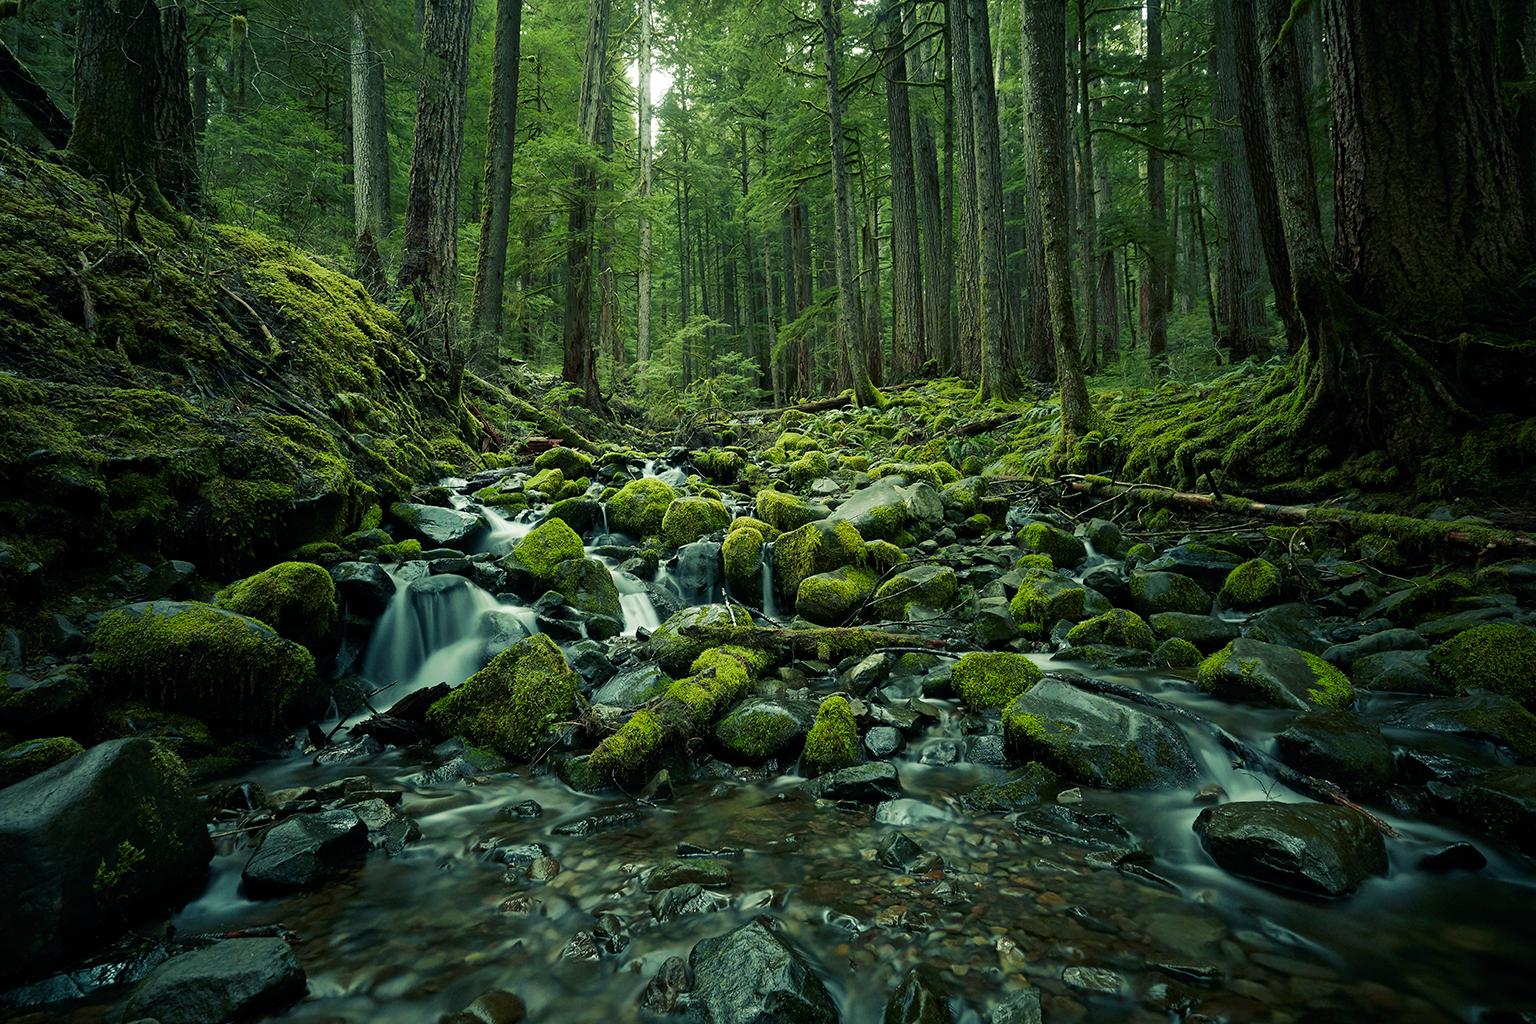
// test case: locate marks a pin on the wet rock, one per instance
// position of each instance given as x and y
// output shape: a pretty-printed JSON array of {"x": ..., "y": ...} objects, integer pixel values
[
  {"x": 594, "y": 823},
  {"x": 103, "y": 839},
  {"x": 1023, "y": 788},
  {"x": 866, "y": 783},
  {"x": 989, "y": 750},
  {"x": 689, "y": 898},
  {"x": 760, "y": 728},
  {"x": 1502, "y": 803},
  {"x": 24, "y": 760},
  {"x": 883, "y": 741},
  {"x": 507, "y": 707},
  {"x": 1291, "y": 625},
  {"x": 1156, "y": 592},
  {"x": 1097, "y": 980},
  {"x": 362, "y": 588},
  {"x": 1398, "y": 672},
  {"x": 1204, "y": 563},
  {"x": 878, "y": 512},
  {"x": 754, "y": 976},
  {"x": 1344, "y": 656},
  {"x": 632, "y": 688},
  {"x": 46, "y": 706},
  {"x": 522, "y": 809},
  {"x": 1206, "y": 632},
  {"x": 907, "y": 811},
  {"x": 436, "y": 527},
  {"x": 591, "y": 662},
  {"x": 696, "y": 870},
  {"x": 1064, "y": 550},
  {"x": 994, "y": 625},
  {"x": 304, "y": 851},
  {"x": 583, "y": 946},
  {"x": 1104, "y": 535},
  {"x": 388, "y": 828},
  {"x": 1479, "y": 715},
  {"x": 830, "y": 598},
  {"x": 1096, "y": 739},
  {"x": 919, "y": 1000},
  {"x": 494, "y": 1007},
  {"x": 899, "y": 852},
  {"x": 1255, "y": 672},
  {"x": 229, "y": 980},
  {"x": 1337, "y": 746},
  {"x": 1097, "y": 830},
  {"x": 1455, "y": 857},
  {"x": 1019, "y": 1008},
  {"x": 363, "y": 748},
  {"x": 925, "y": 587},
  {"x": 663, "y": 991},
  {"x": 172, "y": 578},
  {"x": 1319, "y": 849}
]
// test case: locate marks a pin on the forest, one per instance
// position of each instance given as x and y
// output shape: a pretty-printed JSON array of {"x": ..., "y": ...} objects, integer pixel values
[{"x": 756, "y": 511}]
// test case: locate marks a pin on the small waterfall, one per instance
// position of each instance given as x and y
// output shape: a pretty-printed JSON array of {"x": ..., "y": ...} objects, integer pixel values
[
  {"x": 437, "y": 629},
  {"x": 504, "y": 533},
  {"x": 671, "y": 475},
  {"x": 694, "y": 575},
  {"x": 639, "y": 612},
  {"x": 770, "y": 604}
]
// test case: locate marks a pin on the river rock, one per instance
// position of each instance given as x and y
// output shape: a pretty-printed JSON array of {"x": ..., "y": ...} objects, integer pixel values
[
  {"x": 919, "y": 1000},
  {"x": 303, "y": 851},
  {"x": 929, "y": 587},
  {"x": 1095, "y": 739},
  {"x": 754, "y": 976},
  {"x": 103, "y": 839},
  {"x": 1503, "y": 803},
  {"x": 1154, "y": 592},
  {"x": 1206, "y": 632},
  {"x": 1254, "y": 672},
  {"x": 870, "y": 782},
  {"x": 1344, "y": 656},
  {"x": 1292, "y": 625},
  {"x": 436, "y": 527},
  {"x": 362, "y": 588},
  {"x": 231, "y": 980},
  {"x": 1479, "y": 715},
  {"x": 1398, "y": 672},
  {"x": 1339, "y": 747},
  {"x": 1320, "y": 849},
  {"x": 763, "y": 727},
  {"x": 632, "y": 688},
  {"x": 1205, "y": 564}
]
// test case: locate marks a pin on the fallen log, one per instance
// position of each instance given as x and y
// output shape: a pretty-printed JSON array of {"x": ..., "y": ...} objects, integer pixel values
[
  {"x": 1420, "y": 532},
  {"x": 29, "y": 96},
  {"x": 820, "y": 404}
]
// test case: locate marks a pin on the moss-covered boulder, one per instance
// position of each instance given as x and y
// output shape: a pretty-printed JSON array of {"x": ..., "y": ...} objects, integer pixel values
[
  {"x": 829, "y": 598},
  {"x": 924, "y": 586},
  {"x": 24, "y": 760},
  {"x": 1154, "y": 592},
  {"x": 833, "y": 741},
  {"x": 690, "y": 519},
  {"x": 742, "y": 554},
  {"x": 1254, "y": 672},
  {"x": 640, "y": 506},
  {"x": 674, "y": 643},
  {"x": 1253, "y": 584},
  {"x": 298, "y": 599},
  {"x": 768, "y": 532},
  {"x": 760, "y": 728},
  {"x": 813, "y": 548},
  {"x": 1206, "y": 632},
  {"x": 546, "y": 483},
  {"x": 1043, "y": 598},
  {"x": 510, "y": 705},
  {"x": 1064, "y": 549},
  {"x": 720, "y": 465},
  {"x": 1116, "y": 627},
  {"x": 1500, "y": 657},
  {"x": 1176, "y": 653},
  {"x": 586, "y": 584},
  {"x": 811, "y": 466},
  {"x": 570, "y": 462},
  {"x": 542, "y": 551},
  {"x": 785, "y": 511},
  {"x": 217, "y": 665},
  {"x": 988, "y": 680},
  {"x": 1339, "y": 747},
  {"x": 1096, "y": 740}
]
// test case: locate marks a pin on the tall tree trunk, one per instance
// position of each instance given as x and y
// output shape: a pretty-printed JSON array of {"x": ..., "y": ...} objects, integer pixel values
[
  {"x": 580, "y": 367},
  {"x": 999, "y": 376},
  {"x": 907, "y": 323},
  {"x": 1201, "y": 266},
  {"x": 805, "y": 353},
  {"x": 1259, "y": 150},
  {"x": 643, "y": 120},
  {"x": 1045, "y": 77},
  {"x": 967, "y": 250},
  {"x": 608, "y": 338},
  {"x": 1161, "y": 251},
  {"x": 496, "y": 205},
  {"x": 869, "y": 275},
  {"x": 1108, "y": 304},
  {"x": 849, "y": 328},
  {"x": 1240, "y": 322},
  {"x": 1087, "y": 215},
  {"x": 935, "y": 259},
  {"x": 370, "y": 158},
  {"x": 1429, "y": 207},
  {"x": 175, "y": 130},
  {"x": 1039, "y": 340},
  {"x": 429, "y": 256},
  {"x": 237, "y": 67},
  {"x": 32, "y": 99},
  {"x": 118, "y": 85}
]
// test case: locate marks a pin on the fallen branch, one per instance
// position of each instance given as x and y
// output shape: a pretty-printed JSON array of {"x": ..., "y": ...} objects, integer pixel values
[{"x": 28, "y": 94}]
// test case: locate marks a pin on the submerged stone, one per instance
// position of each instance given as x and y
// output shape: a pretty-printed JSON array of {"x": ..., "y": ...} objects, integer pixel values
[
  {"x": 1319, "y": 849},
  {"x": 755, "y": 976}
]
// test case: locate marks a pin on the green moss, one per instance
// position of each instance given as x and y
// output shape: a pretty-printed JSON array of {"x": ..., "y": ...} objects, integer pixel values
[
  {"x": 640, "y": 506},
  {"x": 1035, "y": 561},
  {"x": 757, "y": 732},
  {"x": 24, "y": 760},
  {"x": 510, "y": 705},
  {"x": 114, "y": 876},
  {"x": 298, "y": 599},
  {"x": 785, "y": 511},
  {"x": 814, "y": 548},
  {"x": 586, "y": 583},
  {"x": 833, "y": 741},
  {"x": 742, "y": 554},
  {"x": 992, "y": 680},
  {"x": 545, "y": 547},
  {"x": 1025, "y": 787},
  {"x": 853, "y": 463},
  {"x": 768, "y": 532},
  {"x": 1142, "y": 552},
  {"x": 201, "y": 660},
  {"x": 721, "y": 465},
  {"x": 404, "y": 551},
  {"x": 571, "y": 463},
  {"x": 1333, "y": 689},
  {"x": 884, "y": 555},
  {"x": 546, "y": 482},
  {"x": 1500, "y": 657},
  {"x": 1118, "y": 627},
  {"x": 913, "y": 471},
  {"x": 796, "y": 444},
  {"x": 699, "y": 701},
  {"x": 922, "y": 586},
  {"x": 829, "y": 598},
  {"x": 1176, "y": 653},
  {"x": 734, "y": 669},
  {"x": 630, "y": 748},
  {"x": 1254, "y": 583},
  {"x": 1064, "y": 549},
  {"x": 689, "y": 519},
  {"x": 813, "y": 465},
  {"x": 1043, "y": 598}
]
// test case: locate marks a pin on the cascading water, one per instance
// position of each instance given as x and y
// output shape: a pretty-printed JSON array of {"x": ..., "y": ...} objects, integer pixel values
[
  {"x": 672, "y": 475},
  {"x": 635, "y": 602},
  {"x": 504, "y": 533},
  {"x": 770, "y": 604},
  {"x": 694, "y": 575}
]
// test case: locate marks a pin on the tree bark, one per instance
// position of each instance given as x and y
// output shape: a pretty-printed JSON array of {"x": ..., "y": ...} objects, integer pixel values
[
  {"x": 370, "y": 158},
  {"x": 966, "y": 247},
  {"x": 175, "y": 131},
  {"x": 1429, "y": 208},
  {"x": 1039, "y": 342},
  {"x": 1045, "y": 88},
  {"x": 429, "y": 264},
  {"x": 999, "y": 378},
  {"x": 1161, "y": 251},
  {"x": 118, "y": 82},
  {"x": 1240, "y": 322},
  {"x": 869, "y": 275},
  {"x": 935, "y": 258},
  {"x": 608, "y": 338},
  {"x": 580, "y": 366},
  {"x": 1109, "y": 281},
  {"x": 237, "y": 70},
  {"x": 907, "y": 322},
  {"x": 643, "y": 119},
  {"x": 849, "y": 328},
  {"x": 496, "y": 198},
  {"x": 1089, "y": 222}
]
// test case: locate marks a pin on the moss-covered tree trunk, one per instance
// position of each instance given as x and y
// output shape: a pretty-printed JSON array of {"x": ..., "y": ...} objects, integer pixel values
[
  {"x": 966, "y": 247},
  {"x": 370, "y": 157},
  {"x": 117, "y": 83},
  {"x": 999, "y": 377},
  {"x": 935, "y": 257},
  {"x": 907, "y": 323},
  {"x": 496, "y": 202},
  {"x": 580, "y": 365}
]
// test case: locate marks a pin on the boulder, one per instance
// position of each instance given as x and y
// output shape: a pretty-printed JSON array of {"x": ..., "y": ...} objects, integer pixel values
[
  {"x": 1153, "y": 592},
  {"x": 304, "y": 851},
  {"x": 26, "y": 759},
  {"x": 580, "y": 514},
  {"x": 814, "y": 548},
  {"x": 1207, "y": 564},
  {"x": 1398, "y": 672},
  {"x": 1116, "y": 628},
  {"x": 1339, "y": 747},
  {"x": 786, "y": 512},
  {"x": 1502, "y": 802},
  {"x": 298, "y": 599},
  {"x": 742, "y": 555},
  {"x": 363, "y": 588},
  {"x": 755, "y": 976},
  {"x": 1096, "y": 740},
  {"x": 436, "y": 527},
  {"x": 509, "y": 705},
  {"x": 587, "y": 585},
  {"x": 1499, "y": 657},
  {"x": 988, "y": 680},
  {"x": 926, "y": 586},
  {"x": 1206, "y": 632},
  {"x": 829, "y": 598},
  {"x": 639, "y": 507},
  {"x": 101, "y": 840},
  {"x": 1344, "y": 656},
  {"x": 919, "y": 999},
  {"x": 632, "y": 688},
  {"x": 236, "y": 979},
  {"x": 1044, "y": 597},
  {"x": 569, "y": 461},
  {"x": 864, "y": 783},
  {"x": 1254, "y": 672},
  {"x": 1479, "y": 715},
  {"x": 1251, "y": 585},
  {"x": 690, "y": 519},
  {"x": 763, "y": 727},
  {"x": 545, "y": 548},
  {"x": 1319, "y": 849},
  {"x": 879, "y": 511},
  {"x": 1290, "y": 625},
  {"x": 672, "y": 646},
  {"x": 833, "y": 740},
  {"x": 217, "y": 665}
]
